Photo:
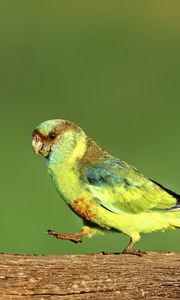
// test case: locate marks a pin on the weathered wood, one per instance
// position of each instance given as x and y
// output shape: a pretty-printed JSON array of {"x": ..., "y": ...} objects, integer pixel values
[{"x": 95, "y": 277}]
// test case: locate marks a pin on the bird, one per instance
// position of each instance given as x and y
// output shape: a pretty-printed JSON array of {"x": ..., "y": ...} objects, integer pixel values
[{"x": 104, "y": 191}]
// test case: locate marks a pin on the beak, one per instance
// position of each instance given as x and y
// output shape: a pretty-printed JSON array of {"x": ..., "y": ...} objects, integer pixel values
[
  {"x": 37, "y": 145},
  {"x": 40, "y": 147}
]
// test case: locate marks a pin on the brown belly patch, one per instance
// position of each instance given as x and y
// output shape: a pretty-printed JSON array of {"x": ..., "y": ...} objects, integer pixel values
[{"x": 83, "y": 208}]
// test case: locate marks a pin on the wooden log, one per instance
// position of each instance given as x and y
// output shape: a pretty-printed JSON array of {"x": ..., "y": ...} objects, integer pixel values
[{"x": 95, "y": 277}]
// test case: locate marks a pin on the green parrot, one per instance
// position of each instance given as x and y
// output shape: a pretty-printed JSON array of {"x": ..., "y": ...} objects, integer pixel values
[{"x": 106, "y": 192}]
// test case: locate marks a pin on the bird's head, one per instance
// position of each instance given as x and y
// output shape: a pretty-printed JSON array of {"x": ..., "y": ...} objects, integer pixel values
[{"x": 52, "y": 134}]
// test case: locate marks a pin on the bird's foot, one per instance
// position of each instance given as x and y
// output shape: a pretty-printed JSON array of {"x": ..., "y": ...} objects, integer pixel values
[
  {"x": 73, "y": 237},
  {"x": 110, "y": 253},
  {"x": 133, "y": 252}
]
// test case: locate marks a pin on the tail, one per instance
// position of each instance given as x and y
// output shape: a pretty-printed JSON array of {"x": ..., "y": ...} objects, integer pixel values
[
  {"x": 173, "y": 213},
  {"x": 177, "y": 206}
]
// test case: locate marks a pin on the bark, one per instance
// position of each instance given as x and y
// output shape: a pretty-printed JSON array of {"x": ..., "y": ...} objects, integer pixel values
[{"x": 95, "y": 277}]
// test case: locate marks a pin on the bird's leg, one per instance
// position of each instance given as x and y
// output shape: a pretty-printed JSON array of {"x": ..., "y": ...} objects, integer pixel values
[
  {"x": 74, "y": 237},
  {"x": 129, "y": 250},
  {"x": 129, "y": 247}
]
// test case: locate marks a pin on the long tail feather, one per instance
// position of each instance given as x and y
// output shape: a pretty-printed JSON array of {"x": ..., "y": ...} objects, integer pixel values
[{"x": 169, "y": 192}]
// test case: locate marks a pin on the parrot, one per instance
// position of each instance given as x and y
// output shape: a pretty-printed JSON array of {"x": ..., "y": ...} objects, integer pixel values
[{"x": 104, "y": 191}]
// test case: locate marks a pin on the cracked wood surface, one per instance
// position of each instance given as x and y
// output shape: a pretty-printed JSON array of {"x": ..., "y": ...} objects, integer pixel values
[{"x": 96, "y": 276}]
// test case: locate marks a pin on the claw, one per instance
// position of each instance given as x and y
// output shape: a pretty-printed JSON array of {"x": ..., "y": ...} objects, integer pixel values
[
  {"x": 65, "y": 236},
  {"x": 52, "y": 232},
  {"x": 75, "y": 240},
  {"x": 133, "y": 252}
]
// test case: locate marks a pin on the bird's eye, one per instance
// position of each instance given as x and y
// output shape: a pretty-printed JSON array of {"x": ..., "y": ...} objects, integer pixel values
[
  {"x": 35, "y": 138},
  {"x": 52, "y": 135}
]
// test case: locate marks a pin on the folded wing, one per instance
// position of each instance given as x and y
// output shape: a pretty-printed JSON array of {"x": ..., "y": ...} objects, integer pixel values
[{"x": 120, "y": 188}]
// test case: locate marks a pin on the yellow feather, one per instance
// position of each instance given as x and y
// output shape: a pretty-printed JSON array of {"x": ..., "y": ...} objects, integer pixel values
[{"x": 78, "y": 151}]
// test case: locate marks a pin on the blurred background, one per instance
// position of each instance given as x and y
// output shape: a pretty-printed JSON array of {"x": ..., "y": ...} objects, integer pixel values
[{"x": 113, "y": 67}]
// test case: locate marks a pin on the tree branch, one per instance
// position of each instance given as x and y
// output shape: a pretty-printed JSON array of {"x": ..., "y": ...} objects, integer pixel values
[{"x": 95, "y": 277}]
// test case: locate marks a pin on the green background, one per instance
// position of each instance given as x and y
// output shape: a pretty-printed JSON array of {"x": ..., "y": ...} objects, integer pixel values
[{"x": 113, "y": 67}]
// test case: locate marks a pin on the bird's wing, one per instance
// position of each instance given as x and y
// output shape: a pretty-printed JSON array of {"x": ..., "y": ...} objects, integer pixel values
[{"x": 121, "y": 188}]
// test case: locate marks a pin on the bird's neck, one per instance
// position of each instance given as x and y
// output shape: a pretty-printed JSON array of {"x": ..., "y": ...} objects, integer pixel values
[
  {"x": 63, "y": 165},
  {"x": 68, "y": 150},
  {"x": 68, "y": 161}
]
